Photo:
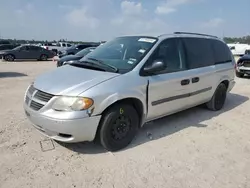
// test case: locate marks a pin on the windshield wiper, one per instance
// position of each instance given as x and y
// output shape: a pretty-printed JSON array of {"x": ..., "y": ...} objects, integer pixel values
[
  {"x": 114, "y": 69},
  {"x": 86, "y": 64}
]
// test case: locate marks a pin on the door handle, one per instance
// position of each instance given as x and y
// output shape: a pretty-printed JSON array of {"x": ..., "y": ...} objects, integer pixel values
[
  {"x": 195, "y": 79},
  {"x": 185, "y": 82}
]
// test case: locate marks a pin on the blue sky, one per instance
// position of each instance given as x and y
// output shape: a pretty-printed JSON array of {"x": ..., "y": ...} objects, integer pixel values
[{"x": 95, "y": 20}]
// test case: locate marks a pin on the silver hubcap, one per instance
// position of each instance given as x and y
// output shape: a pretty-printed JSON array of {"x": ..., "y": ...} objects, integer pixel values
[
  {"x": 9, "y": 58},
  {"x": 44, "y": 57}
]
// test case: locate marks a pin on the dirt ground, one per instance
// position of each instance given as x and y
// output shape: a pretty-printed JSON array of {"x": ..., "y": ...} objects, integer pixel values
[{"x": 194, "y": 148}]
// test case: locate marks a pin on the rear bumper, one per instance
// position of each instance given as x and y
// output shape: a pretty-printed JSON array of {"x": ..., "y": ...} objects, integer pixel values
[
  {"x": 231, "y": 85},
  {"x": 69, "y": 131}
]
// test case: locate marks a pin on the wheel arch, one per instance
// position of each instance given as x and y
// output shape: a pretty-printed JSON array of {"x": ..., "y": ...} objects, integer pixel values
[
  {"x": 9, "y": 54},
  {"x": 133, "y": 101},
  {"x": 226, "y": 82}
]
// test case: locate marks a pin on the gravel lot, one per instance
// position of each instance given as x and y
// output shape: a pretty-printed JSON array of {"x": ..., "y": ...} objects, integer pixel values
[{"x": 194, "y": 148}]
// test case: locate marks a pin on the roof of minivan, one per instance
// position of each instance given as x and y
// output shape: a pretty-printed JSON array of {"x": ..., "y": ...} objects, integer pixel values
[
  {"x": 180, "y": 34},
  {"x": 176, "y": 34}
]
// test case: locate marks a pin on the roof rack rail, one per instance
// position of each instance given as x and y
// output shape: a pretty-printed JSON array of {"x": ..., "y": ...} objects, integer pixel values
[{"x": 195, "y": 34}]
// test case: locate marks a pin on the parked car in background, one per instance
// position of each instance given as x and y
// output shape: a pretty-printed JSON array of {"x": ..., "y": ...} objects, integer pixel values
[
  {"x": 27, "y": 52},
  {"x": 111, "y": 92},
  {"x": 56, "y": 47},
  {"x": 76, "y": 48},
  {"x": 239, "y": 49},
  {"x": 4, "y": 41},
  {"x": 243, "y": 66},
  {"x": 72, "y": 58},
  {"x": 4, "y": 47}
]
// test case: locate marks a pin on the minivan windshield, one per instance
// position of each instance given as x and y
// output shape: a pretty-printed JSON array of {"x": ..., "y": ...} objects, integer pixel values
[{"x": 123, "y": 53}]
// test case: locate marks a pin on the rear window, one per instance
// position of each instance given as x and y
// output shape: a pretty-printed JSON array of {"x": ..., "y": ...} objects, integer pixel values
[
  {"x": 7, "y": 46},
  {"x": 199, "y": 52},
  {"x": 4, "y": 47},
  {"x": 4, "y": 42},
  {"x": 222, "y": 54},
  {"x": 34, "y": 48}
]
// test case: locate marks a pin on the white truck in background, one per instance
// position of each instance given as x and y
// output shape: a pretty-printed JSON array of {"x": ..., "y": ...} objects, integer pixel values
[
  {"x": 239, "y": 49},
  {"x": 56, "y": 47}
]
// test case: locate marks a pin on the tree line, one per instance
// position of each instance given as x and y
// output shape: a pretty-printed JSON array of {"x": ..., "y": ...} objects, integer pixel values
[
  {"x": 17, "y": 41},
  {"x": 245, "y": 39}
]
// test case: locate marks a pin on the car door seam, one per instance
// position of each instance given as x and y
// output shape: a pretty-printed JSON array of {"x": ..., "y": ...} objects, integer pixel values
[{"x": 169, "y": 99}]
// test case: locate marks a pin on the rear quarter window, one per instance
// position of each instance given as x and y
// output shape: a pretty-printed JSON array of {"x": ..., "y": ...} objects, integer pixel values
[
  {"x": 199, "y": 52},
  {"x": 3, "y": 47},
  {"x": 222, "y": 53}
]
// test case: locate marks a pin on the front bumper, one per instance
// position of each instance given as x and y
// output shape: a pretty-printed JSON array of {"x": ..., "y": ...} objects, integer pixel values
[
  {"x": 243, "y": 70},
  {"x": 69, "y": 131},
  {"x": 1, "y": 56}
]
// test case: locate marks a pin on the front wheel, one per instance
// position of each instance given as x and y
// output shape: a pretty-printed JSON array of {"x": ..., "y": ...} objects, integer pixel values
[
  {"x": 218, "y": 100},
  {"x": 118, "y": 127},
  {"x": 239, "y": 75},
  {"x": 9, "y": 57}
]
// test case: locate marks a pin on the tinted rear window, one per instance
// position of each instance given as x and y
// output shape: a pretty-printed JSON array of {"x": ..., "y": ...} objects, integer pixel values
[
  {"x": 34, "y": 48},
  {"x": 199, "y": 52},
  {"x": 222, "y": 53},
  {"x": 7, "y": 46}
]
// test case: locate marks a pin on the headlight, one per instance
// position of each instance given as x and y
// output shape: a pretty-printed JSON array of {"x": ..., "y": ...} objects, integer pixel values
[{"x": 72, "y": 103}]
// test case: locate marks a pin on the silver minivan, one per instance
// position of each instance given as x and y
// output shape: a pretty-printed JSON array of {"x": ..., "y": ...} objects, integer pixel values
[{"x": 113, "y": 91}]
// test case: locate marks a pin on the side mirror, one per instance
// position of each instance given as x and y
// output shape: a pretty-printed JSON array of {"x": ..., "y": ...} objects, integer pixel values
[{"x": 156, "y": 66}]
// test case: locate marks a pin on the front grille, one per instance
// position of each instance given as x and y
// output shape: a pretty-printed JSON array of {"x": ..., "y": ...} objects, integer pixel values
[
  {"x": 45, "y": 97},
  {"x": 27, "y": 100},
  {"x": 246, "y": 64},
  {"x": 35, "y": 105},
  {"x": 31, "y": 90},
  {"x": 34, "y": 96}
]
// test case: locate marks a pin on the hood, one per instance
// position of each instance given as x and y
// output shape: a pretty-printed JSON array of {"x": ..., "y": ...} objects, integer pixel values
[
  {"x": 5, "y": 51},
  {"x": 70, "y": 80},
  {"x": 69, "y": 58},
  {"x": 245, "y": 57}
]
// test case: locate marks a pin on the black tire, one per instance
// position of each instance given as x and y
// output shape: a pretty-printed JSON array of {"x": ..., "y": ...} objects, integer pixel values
[
  {"x": 43, "y": 57},
  {"x": 218, "y": 100},
  {"x": 9, "y": 57},
  {"x": 55, "y": 51},
  {"x": 118, "y": 127},
  {"x": 239, "y": 75}
]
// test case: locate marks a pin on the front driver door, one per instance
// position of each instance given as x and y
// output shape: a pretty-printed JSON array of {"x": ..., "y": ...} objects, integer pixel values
[{"x": 169, "y": 89}]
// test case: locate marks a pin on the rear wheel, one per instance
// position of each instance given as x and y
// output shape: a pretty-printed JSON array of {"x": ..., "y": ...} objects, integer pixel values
[
  {"x": 218, "y": 100},
  {"x": 239, "y": 75},
  {"x": 118, "y": 127},
  {"x": 9, "y": 57},
  {"x": 44, "y": 57}
]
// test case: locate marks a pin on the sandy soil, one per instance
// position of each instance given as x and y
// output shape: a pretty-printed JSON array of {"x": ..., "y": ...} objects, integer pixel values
[{"x": 194, "y": 148}]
